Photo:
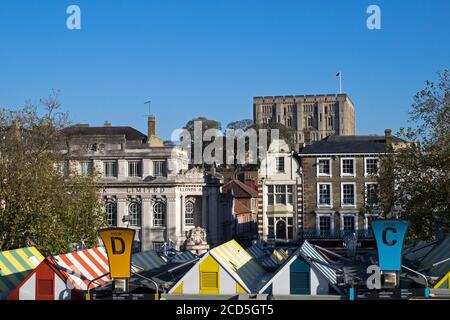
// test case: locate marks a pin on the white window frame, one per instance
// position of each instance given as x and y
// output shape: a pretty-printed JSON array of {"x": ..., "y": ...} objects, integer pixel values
[
  {"x": 318, "y": 195},
  {"x": 354, "y": 195},
  {"x": 115, "y": 170},
  {"x": 366, "y": 174},
  {"x": 349, "y": 214},
  {"x": 139, "y": 164},
  {"x": 284, "y": 164},
  {"x": 162, "y": 168},
  {"x": 324, "y": 174},
  {"x": 366, "y": 220},
  {"x": 89, "y": 169},
  {"x": 342, "y": 167},
  {"x": 325, "y": 214},
  {"x": 365, "y": 193}
]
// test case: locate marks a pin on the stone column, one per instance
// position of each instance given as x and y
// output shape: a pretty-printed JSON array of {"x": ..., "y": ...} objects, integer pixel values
[
  {"x": 171, "y": 219},
  {"x": 147, "y": 214},
  {"x": 183, "y": 217},
  {"x": 122, "y": 209}
]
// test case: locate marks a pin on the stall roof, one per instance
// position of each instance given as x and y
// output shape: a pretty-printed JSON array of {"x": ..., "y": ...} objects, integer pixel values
[
  {"x": 15, "y": 265},
  {"x": 147, "y": 260},
  {"x": 437, "y": 261},
  {"x": 241, "y": 265},
  {"x": 80, "y": 267},
  {"x": 184, "y": 256},
  {"x": 268, "y": 260}
]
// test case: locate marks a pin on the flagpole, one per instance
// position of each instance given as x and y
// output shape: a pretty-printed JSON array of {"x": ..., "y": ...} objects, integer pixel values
[{"x": 340, "y": 82}]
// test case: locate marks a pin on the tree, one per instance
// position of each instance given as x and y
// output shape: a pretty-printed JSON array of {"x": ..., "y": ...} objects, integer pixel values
[
  {"x": 39, "y": 205},
  {"x": 416, "y": 176},
  {"x": 240, "y": 124}
]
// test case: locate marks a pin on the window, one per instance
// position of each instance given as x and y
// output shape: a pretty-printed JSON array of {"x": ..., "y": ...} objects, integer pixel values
[
  {"x": 45, "y": 288},
  {"x": 324, "y": 195},
  {"x": 280, "y": 194},
  {"x": 371, "y": 166},
  {"x": 134, "y": 168},
  {"x": 369, "y": 217},
  {"x": 134, "y": 211},
  {"x": 323, "y": 167},
  {"x": 189, "y": 213},
  {"x": 159, "y": 168},
  {"x": 289, "y": 122},
  {"x": 281, "y": 228},
  {"x": 159, "y": 211},
  {"x": 85, "y": 167},
  {"x": 111, "y": 213},
  {"x": 62, "y": 168},
  {"x": 347, "y": 167},
  {"x": 309, "y": 122},
  {"x": 348, "y": 223},
  {"x": 110, "y": 169},
  {"x": 371, "y": 194},
  {"x": 348, "y": 194},
  {"x": 324, "y": 224},
  {"x": 280, "y": 164}
]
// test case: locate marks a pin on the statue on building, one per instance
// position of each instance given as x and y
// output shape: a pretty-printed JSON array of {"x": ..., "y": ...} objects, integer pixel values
[{"x": 196, "y": 241}]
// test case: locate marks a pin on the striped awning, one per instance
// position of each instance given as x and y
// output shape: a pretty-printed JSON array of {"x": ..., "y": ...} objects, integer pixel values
[
  {"x": 15, "y": 265},
  {"x": 317, "y": 260},
  {"x": 267, "y": 259},
  {"x": 239, "y": 263},
  {"x": 183, "y": 257},
  {"x": 80, "y": 267},
  {"x": 147, "y": 260}
]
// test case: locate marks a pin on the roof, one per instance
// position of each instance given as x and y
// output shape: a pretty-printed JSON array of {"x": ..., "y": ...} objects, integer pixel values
[
  {"x": 80, "y": 267},
  {"x": 267, "y": 259},
  {"x": 15, "y": 265},
  {"x": 437, "y": 261},
  {"x": 147, "y": 260},
  {"x": 240, "y": 264},
  {"x": 240, "y": 189},
  {"x": 311, "y": 255},
  {"x": 240, "y": 208},
  {"x": 348, "y": 145},
  {"x": 183, "y": 257},
  {"x": 129, "y": 132}
]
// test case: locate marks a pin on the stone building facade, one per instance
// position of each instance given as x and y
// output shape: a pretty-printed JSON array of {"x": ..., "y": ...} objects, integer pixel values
[
  {"x": 314, "y": 117},
  {"x": 279, "y": 195},
  {"x": 146, "y": 184}
]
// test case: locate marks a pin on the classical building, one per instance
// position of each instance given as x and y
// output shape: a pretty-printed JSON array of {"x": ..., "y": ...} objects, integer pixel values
[
  {"x": 279, "y": 195},
  {"x": 340, "y": 187},
  {"x": 146, "y": 184},
  {"x": 314, "y": 117}
]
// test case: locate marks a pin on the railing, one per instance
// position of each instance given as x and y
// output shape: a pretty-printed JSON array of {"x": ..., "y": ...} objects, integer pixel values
[{"x": 336, "y": 234}]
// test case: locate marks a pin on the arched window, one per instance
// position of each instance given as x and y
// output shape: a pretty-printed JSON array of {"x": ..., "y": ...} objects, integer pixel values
[
  {"x": 189, "y": 213},
  {"x": 134, "y": 210},
  {"x": 111, "y": 213},
  {"x": 280, "y": 230},
  {"x": 159, "y": 214}
]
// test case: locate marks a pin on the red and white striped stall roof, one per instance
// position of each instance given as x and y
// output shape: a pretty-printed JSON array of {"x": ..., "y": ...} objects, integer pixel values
[{"x": 80, "y": 267}]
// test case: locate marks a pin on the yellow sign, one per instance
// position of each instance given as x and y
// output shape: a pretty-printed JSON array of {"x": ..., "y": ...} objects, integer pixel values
[{"x": 118, "y": 244}]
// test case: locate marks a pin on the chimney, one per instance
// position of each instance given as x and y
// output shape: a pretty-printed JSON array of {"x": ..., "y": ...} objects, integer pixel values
[
  {"x": 107, "y": 124},
  {"x": 151, "y": 127},
  {"x": 388, "y": 138}
]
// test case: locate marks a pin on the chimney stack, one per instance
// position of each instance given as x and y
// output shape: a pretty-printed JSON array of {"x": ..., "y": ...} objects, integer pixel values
[
  {"x": 151, "y": 126},
  {"x": 107, "y": 124}
]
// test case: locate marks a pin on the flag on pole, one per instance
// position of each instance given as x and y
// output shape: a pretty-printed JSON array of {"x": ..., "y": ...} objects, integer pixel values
[{"x": 338, "y": 74}]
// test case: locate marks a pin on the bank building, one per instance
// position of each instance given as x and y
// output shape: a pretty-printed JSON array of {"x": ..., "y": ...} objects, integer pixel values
[{"x": 146, "y": 184}]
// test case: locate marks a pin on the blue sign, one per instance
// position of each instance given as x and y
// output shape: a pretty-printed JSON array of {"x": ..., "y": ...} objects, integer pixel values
[{"x": 389, "y": 235}]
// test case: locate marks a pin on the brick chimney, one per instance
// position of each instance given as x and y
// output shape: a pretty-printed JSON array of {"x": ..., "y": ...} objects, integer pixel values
[{"x": 151, "y": 126}]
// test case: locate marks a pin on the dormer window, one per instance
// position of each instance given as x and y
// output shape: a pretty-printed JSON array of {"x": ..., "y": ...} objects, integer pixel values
[{"x": 279, "y": 165}]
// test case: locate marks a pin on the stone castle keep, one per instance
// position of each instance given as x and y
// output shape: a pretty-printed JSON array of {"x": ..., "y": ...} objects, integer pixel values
[{"x": 314, "y": 117}]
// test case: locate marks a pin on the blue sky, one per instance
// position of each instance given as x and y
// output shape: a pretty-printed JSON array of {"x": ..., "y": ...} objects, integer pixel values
[{"x": 210, "y": 57}]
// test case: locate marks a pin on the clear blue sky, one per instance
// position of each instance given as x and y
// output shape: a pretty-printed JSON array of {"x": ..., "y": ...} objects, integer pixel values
[{"x": 210, "y": 57}]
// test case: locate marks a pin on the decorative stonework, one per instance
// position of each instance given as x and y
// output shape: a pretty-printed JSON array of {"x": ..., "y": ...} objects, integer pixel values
[{"x": 196, "y": 241}]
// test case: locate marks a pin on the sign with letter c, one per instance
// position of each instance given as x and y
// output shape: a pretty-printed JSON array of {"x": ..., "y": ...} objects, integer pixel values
[
  {"x": 389, "y": 235},
  {"x": 118, "y": 243}
]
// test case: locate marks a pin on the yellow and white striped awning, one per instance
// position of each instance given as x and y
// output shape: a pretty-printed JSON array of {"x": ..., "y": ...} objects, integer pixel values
[
  {"x": 239, "y": 263},
  {"x": 15, "y": 265}
]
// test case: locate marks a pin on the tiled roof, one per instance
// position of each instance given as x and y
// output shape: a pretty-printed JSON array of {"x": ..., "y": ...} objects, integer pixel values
[
  {"x": 240, "y": 189},
  {"x": 348, "y": 145},
  {"x": 129, "y": 132}
]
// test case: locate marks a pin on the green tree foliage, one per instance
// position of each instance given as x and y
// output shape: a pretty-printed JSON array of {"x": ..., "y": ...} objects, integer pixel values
[
  {"x": 39, "y": 205},
  {"x": 415, "y": 178}
]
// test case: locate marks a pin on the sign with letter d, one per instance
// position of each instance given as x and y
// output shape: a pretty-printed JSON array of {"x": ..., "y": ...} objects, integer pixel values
[
  {"x": 118, "y": 244},
  {"x": 389, "y": 235}
]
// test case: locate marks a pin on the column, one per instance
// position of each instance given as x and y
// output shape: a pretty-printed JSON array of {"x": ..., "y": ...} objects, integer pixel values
[
  {"x": 122, "y": 169},
  {"x": 147, "y": 214},
  {"x": 122, "y": 209},
  {"x": 171, "y": 221},
  {"x": 182, "y": 215}
]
